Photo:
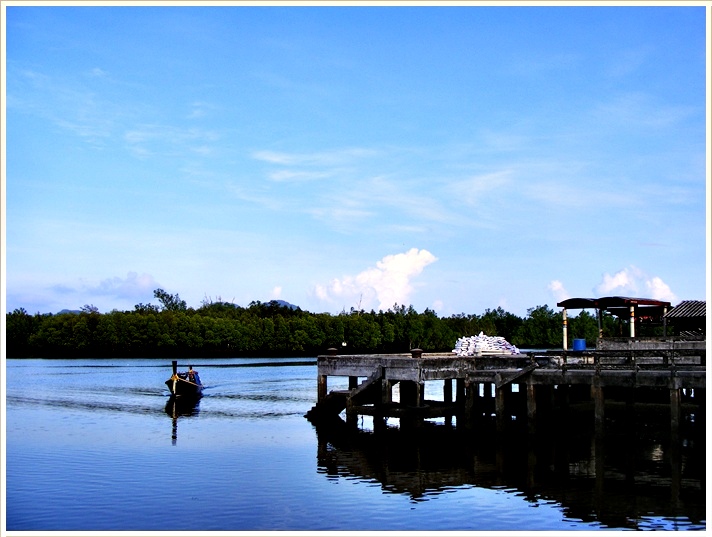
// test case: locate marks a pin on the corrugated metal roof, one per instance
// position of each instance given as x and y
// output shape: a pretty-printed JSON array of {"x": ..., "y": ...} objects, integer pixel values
[
  {"x": 611, "y": 302},
  {"x": 689, "y": 308}
]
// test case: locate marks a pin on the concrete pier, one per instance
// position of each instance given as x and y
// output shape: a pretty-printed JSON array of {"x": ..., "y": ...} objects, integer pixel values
[{"x": 545, "y": 381}]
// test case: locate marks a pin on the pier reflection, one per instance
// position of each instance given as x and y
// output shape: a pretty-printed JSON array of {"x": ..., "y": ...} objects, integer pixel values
[
  {"x": 181, "y": 407},
  {"x": 619, "y": 479}
]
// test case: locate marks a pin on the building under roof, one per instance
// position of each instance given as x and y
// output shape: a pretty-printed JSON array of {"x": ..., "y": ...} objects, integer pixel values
[
  {"x": 623, "y": 307},
  {"x": 689, "y": 317}
]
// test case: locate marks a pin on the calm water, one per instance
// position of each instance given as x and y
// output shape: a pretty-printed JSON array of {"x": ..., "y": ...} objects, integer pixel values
[{"x": 93, "y": 445}]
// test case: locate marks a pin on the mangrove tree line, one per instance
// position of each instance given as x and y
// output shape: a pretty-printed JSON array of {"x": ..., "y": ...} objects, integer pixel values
[{"x": 224, "y": 329}]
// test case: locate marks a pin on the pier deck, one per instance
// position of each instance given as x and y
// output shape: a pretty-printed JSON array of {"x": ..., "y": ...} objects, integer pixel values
[{"x": 540, "y": 376}]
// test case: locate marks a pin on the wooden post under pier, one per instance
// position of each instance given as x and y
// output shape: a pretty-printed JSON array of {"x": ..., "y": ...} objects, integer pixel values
[{"x": 531, "y": 407}]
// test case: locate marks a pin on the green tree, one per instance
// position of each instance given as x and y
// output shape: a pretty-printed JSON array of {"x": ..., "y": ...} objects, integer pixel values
[
  {"x": 170, "y": 302},
  {"x": 505, "y": 324},
  {"x": 19, "y": 327},
  {"x": 541, "y": 329}
]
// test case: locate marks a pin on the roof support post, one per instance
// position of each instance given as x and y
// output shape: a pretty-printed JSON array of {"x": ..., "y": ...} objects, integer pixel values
[
  {"x": 632, "y": 321},
  {"x": 664, "y": 321},
  {"x": 566, "y": 335}
]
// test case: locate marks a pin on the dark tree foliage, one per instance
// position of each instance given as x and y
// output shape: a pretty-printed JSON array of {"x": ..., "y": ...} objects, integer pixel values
[
  {"x": 170, "y": 302},
  {"x": 273, "y": 329},
  {"x": 505, "y": 324},
  {"x": 541, "y": 329}
]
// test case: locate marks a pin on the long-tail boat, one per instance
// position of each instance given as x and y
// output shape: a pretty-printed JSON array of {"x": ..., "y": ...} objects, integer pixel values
[{"x": 184, "y": 383}]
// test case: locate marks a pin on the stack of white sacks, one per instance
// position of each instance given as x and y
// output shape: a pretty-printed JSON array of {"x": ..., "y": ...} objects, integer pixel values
[{"x": 482, "y": 344}]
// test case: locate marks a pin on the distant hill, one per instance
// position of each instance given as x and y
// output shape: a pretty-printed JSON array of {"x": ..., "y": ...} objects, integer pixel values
[
  {"x": 68, "y": 311},
  {"x": 285, "y": 304}
]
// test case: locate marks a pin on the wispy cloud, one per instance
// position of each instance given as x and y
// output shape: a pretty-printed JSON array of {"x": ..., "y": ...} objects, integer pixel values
[
  {"x": 284, "y": 176},
  {"x": 472, "y": 190},
  {"x": 200, "y": 109},
  {"x": 169, "y": 140},
  {"x": 133, "y": 286},
  {"x": 256, "y": 196},
  {"x": 625, "y": 62},
  {"x": 558, "y": 290},
  {"x": 342, "y": 214},
  {"x": 640, "y": 110},
  {"x": 355, "y": 184},
  {"x": 75, "y": 107},
  {"x": 107, "y": 293},
  {"x": 322, "y": 158},
  {"x": 578, "y": 195},
  {"x": 97, "y": 72},
  {"x": 93, "y": 108},
  {"x": 544, "y": 64}
]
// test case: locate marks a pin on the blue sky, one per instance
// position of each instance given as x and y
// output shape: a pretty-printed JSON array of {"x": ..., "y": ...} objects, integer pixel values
[{"x": 452, "y": 158}]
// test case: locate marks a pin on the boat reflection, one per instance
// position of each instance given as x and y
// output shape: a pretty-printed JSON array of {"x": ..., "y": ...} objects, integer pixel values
[
  {"x": 181, "y": 407},
  {"x": 619, "y": 480}
]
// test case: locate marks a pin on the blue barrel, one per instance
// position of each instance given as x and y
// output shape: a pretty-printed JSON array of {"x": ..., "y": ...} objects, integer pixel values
[{"x": 579, "y": 344}]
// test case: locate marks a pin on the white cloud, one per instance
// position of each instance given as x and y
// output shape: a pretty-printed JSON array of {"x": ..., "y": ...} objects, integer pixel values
[
  {"x": 276, "y": 293},
  {"x": 623, "y": 282},
  {"x": 558, "y": 290},
  {"x": 388, "y": 283},
  {"x": 630, "y": 281},
  {"x": 134, "y": 286},
  {"x": 659, "y": 290}
]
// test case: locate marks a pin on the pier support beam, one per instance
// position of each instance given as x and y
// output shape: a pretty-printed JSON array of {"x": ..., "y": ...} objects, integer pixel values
[
  {"x": 500, "y": 408},
  {"x": 351, "y": 414},
  {"x": 675, "y": 412},
  {"x": 321, "y": 388},
  {"x": 461, "y": 402},
  {"x": 460, "y": 391},
  {"x": 411, "y": 393},
  {"x": 386, "y": 391},
  {"x": 469, "y": 399},
  {"x": 598, "y": 404},
  {"x": 447, "y": 398},
  {"x": 531, "y": 407},
  {"x": 447, "y": 390}
]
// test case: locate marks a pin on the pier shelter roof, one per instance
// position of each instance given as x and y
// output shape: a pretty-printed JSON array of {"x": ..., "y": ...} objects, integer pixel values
[
  {"x": 690, "y": 317},
  {"x": 618, "y": 305},
  {"x": 688, "y": 309}
]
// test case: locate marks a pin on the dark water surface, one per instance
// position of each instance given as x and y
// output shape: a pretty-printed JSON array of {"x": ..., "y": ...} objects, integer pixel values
[{"x": 96, "y": 445}]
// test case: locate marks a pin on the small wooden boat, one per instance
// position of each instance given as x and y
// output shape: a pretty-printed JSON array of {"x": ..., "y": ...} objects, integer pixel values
[{"x": 184, "y": 384}]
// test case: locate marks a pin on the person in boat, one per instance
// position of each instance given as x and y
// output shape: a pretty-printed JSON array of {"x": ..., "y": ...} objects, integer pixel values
[{"x": 193, "y": 376}]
